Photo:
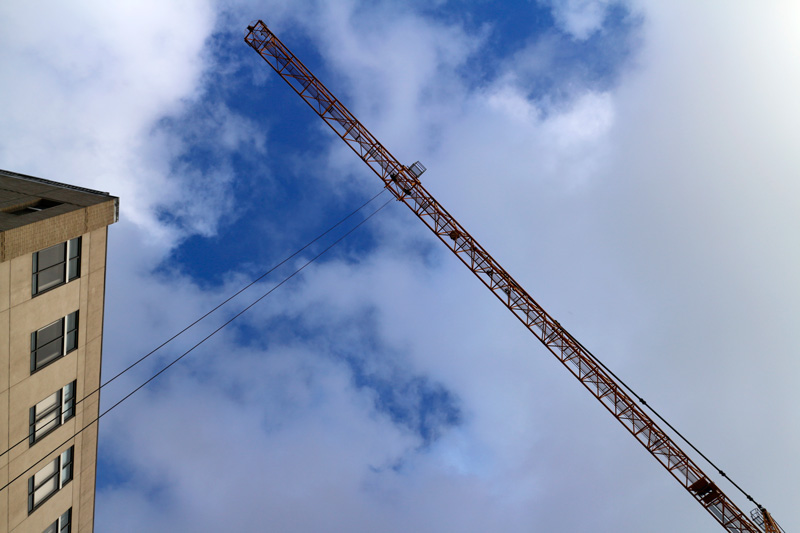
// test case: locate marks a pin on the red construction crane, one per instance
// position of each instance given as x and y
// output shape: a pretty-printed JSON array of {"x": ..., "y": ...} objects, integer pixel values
[{"x": 403, "y": 182}]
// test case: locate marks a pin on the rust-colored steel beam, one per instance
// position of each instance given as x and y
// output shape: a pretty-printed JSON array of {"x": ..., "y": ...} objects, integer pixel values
[
  {"x": 770, "y": 526},
  {"x": 404, "y": 184}
]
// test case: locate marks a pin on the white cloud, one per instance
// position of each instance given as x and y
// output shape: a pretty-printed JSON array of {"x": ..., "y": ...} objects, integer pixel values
[
  {"x": 89, "y": 94},
  {"x": 318, "y": 443},
  {"x": 654, "y": 218},
  {"x": 590, "y": 118},
  {"x": 97, "y": 85},
  {"x": 579, "y": 18}
]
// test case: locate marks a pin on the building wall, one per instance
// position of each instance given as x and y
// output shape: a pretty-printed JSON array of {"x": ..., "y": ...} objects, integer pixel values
[{"x": 20, "y": 389}]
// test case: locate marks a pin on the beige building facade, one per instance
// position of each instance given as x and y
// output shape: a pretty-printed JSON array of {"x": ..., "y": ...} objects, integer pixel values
[{"x": 52, "y": 283}]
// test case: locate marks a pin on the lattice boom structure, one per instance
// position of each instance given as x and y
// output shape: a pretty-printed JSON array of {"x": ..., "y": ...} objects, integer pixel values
[{"x": 403, "y": 182}]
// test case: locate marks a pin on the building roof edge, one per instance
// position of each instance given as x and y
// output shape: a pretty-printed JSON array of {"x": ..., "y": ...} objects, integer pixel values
[{"x": 17, "y": 175}]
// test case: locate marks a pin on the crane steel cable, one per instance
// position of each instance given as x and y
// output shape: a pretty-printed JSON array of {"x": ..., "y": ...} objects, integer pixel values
[
  {"x": 218, "y": 306},
  {"x": 656, "y": 413},
  {"x": 405, "y": 185}
]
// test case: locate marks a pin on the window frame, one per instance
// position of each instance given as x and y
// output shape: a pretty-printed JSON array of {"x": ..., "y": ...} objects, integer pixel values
[
  {"x": 68, "y": 339},
  {"x": 63, "y": 409},
  {"x": 63, "y": 466},
  {"x": 69, "y": 267},
  {"x": 62, "y": 524}
]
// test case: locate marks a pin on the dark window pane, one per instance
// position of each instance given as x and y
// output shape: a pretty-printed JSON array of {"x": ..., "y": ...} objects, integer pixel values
[
  {"x": 69, "y": 410},
  {"x": 32, "y": 427},
  {"x": 69, "y": 391},
  {"x": 50, "y": 277},
  {"x": 72, "y": 331},
  {"x": 66, "y": 474},
  {"x": 56, "y": 265},
  {"x": 75, "y": 248},
  {"x": 48, "y": 342},
  {"x": 69, "y": 402},
  {"x": 52, "y": 256},
  {"x": 49, "y": 333},
  {"x": 66, "y": 466},
  {"x": 72, "y": 341},
  {"x": 66, "y": 520},
  {"x": 48, "y": 353},
  {"x": 52, "y": 528},
  {"x": 74, "y": 269},
  {"x": 72, "y": 321}
]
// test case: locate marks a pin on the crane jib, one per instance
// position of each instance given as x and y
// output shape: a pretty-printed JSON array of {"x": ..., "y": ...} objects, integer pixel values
[{"x": 403, "y": 182}]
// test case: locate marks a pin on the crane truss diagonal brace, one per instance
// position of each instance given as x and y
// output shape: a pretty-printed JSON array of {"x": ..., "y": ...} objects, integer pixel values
[{"x": 406, "y": 188}]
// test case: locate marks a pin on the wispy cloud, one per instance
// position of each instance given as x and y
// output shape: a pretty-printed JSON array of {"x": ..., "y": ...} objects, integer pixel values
[{"x": 580, "y": 18}]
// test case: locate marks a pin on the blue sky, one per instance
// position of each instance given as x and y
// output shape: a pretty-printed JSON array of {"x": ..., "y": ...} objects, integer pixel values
[{"x": 632, "y": 164}]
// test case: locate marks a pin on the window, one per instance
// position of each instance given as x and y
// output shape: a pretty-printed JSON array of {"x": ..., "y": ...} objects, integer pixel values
[
  {"x": 53, "y": 341},
  {"x": 56, "y": 265},
  {"x": 50, "y": 479},
  {"x": 51, "y": 412},
  {"x": 63, "y": 523}
]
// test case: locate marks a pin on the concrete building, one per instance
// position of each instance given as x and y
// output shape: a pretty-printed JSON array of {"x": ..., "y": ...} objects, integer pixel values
[{"x": 52, "y": 284}]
